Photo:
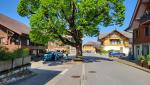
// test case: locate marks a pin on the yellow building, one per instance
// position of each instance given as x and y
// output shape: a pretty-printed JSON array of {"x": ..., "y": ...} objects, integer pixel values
[
  {"x": 90, "y": 47},
  {"x": 116, "y": 40}
]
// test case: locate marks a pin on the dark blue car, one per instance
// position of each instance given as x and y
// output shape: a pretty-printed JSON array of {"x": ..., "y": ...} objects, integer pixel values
[
  {"x": 52, "y": 56},
  {"x": 48, "y": 56},
  {"x": 116, "y": 54}
]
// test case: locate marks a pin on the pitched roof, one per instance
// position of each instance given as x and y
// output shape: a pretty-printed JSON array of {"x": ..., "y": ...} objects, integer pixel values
[
  {"x": 14, "y": 25},
  {"x": 95, "y": 44},
  {"x": 138, "y": 12},
  {"x": 134, "y": 14},
  {"x": 102, "y": 35},
  {"x": 124, "y": 33}
]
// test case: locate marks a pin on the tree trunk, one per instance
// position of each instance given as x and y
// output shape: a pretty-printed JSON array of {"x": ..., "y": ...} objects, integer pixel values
[{"x": 79, "y": 50}]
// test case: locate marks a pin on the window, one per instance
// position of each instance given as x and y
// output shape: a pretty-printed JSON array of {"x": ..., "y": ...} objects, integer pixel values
[
  {"x": 115, "y": 41},
  {"x": 136, "y": 33},
  {"x": 147, "y": 31},
  {"x": 28, "y": 42},
  {"x": 146, "y": 15},
  {"x": 137, "y": 50},
  {"x": 2, "y": 41},
  {"x": 145, "y": 50}
]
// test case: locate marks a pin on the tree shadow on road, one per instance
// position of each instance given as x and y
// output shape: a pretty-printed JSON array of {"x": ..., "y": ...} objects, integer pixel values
[
  {"x": 55, "y": 63},
  {"x": 41, "y": 78},
  {"x": 88, "y": 59}
]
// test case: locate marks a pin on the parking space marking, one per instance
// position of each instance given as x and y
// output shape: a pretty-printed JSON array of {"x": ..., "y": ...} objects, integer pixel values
[{"x": 62, "y": 73}]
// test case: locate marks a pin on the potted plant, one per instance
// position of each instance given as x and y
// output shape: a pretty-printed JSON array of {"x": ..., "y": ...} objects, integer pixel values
[
  {"x": 146, "y": 63},
  {"x": 141, "y": 60}
]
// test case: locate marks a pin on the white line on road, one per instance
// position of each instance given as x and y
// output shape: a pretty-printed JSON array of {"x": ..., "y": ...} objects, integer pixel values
[
  {"x": 57, "y": 78},
  {"x": 83, "y": 75},
  {"x": 62, "y": 73}
]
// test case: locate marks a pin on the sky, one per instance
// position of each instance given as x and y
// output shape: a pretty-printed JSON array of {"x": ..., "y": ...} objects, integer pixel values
[{"x": 9, "y": 8}]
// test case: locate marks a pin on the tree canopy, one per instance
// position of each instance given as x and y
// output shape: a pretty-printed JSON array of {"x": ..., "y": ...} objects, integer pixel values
[{"x": 56, "y": 19}]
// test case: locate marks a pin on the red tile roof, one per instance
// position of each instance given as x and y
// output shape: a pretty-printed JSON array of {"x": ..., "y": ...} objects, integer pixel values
[{"x": 14, "y": 25}]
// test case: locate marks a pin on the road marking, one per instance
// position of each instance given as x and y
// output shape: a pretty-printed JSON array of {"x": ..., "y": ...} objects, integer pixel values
[
  {"x": 62, "y": 73},
  {"x": 83, "y": 75},
  {"x": 57, "y": 78}
]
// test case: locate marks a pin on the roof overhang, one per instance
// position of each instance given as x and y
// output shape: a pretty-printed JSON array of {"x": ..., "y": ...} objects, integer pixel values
[
  {"x": 113, "y": 33},
  {"x": 138, "y": 12}
]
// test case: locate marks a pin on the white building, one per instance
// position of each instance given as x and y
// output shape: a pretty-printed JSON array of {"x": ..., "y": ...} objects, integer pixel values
[{"x": 116, "y": 40}]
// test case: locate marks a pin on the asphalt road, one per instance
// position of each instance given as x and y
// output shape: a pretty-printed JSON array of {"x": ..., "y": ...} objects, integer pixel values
[
  {"x": 104, "y": 72},
  {"x": 113, "y": 73},
  {"x": 96, "y": 71},
  {"x": 44, "y": 73}
]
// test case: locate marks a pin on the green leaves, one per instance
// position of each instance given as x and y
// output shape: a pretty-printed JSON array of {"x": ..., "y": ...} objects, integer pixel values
[
  {"x": 6, "y": 55},
  {"x": 52, "y": 19},
  {"x": 28, "y": 7},
  {"x": 23, "y": 8},
  {"x": 148, "y": 57}
]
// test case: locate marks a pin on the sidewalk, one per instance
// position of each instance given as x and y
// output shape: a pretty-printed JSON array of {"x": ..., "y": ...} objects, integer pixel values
[
  {"x": 44, "y": 73},
  {"x": 68, "y": 77},
  {"x": 131, "y": 64}
]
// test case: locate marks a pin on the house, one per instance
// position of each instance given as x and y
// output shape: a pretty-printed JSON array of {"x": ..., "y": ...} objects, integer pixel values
[
  {"x": 14, "y": 34},
  {"x": 91, "y": 47},
  {"x": 140, "y": 25},
  {"x": 116, "y": 40},
  {"x": 59, "y": 46},
  {"x": 56, "y": 46}
]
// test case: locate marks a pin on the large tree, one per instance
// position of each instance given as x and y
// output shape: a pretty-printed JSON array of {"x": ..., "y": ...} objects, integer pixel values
[{"x": 57, "y": 19}]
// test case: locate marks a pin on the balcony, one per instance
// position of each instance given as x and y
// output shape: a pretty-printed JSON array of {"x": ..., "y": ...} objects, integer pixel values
[{"x": 145, "y": 19}]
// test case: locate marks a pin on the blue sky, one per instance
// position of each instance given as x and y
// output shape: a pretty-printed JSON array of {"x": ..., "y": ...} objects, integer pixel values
[{"x": 8, "y": 8}]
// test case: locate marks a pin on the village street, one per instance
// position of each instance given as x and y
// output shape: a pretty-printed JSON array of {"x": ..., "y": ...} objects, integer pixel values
[
  {"x": 101, "y": 72},
  {"x": 74, "y": 42},
  {"x": 43, "y": 73}
]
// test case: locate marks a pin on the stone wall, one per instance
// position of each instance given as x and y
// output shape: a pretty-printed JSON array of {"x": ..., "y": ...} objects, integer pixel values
[{"x": 6, "y": 65}]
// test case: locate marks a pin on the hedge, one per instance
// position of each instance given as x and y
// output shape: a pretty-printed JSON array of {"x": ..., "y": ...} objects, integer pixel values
[{"x": 6, "y": 55}]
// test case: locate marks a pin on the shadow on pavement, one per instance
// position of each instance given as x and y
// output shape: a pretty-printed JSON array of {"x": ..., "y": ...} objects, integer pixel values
[
  {"x": 55, "y": 63},
  {"x": 88, "y": 59},
  {"x": 36, "y": 58},
  {"x": 59, "y": 62},
  {"x": 41, "y": 77}
]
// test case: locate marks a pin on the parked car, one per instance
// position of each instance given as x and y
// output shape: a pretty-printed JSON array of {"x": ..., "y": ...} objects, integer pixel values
[
  {"x": 116, "y": 54},
  {"x": 48, "y": 56},
  {"x": 58, "y": 55},
  {"x": 52, "y": 56}
]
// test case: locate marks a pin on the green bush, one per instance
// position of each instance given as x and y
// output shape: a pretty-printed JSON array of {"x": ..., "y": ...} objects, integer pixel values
[
  {"x": 21, "y": 52},
  {"x": 3, "y": 54},
  {"x": 114, "y": 51},
  {"x": 148, "y": 57},
  {"x": 104, "y": 51},
  {"x": 18, "y": 53},
  {"x": 6, "y": 55},
  {"x": 141, "y": 58},
  {"x": 25, "y": 52}
]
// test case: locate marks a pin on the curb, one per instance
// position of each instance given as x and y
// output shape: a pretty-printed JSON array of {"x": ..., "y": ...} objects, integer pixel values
[{"x": 135, "y": 66}]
